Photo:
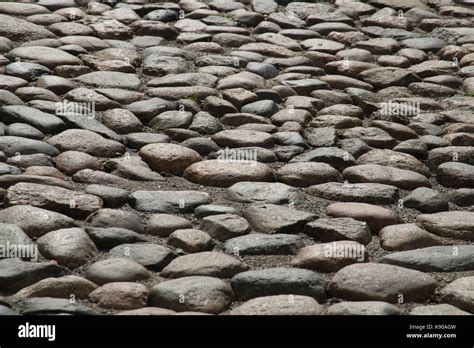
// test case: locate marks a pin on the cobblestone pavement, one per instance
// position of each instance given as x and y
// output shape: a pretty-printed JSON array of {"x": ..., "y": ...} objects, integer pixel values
[{"x": 226, "y": 157}]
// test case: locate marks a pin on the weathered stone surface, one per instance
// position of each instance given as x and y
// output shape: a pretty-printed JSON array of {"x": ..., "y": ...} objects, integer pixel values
[
  {"x": 279, "y": 305},
  {"x": 168, "y": 201},
  {"x": 379, "y": 282},
  {"x": 328, "y": 230},
  {"x": 451, "y": 224}
]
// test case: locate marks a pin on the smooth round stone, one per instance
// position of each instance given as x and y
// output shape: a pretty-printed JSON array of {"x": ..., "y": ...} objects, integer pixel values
[
  {"x": 121, "y": 121},
  {"x": 330, "y": 257},
  {"x": 190, "y": 240},
  {"x": 120, "y": 295},
  {"x": 70, "y": 162},
  {"x": 169, "y": 158},
  {"x": 152, "y": 256},
  {"x": 305, "y": 174},
  {"x": 116, "y": 218},
  {"x": 263, "y": 244},
  {"x": 208, "y": 263},
  {"x": 203, "y": 146},
  {"x": 455, "y": 174},
  {"x": 380, "y": 282},
  {"x": 406, "y": 237},
  {"x": 224, "y": 173},
  {"x": 363, "y": 308},
  {"x": 279, "y": 305},
  {"x": 278, "y": 281},
  {"x": 426, "y": 200},
  {"x": 462, "y": 197},
  {"x": 196, "y": 293},
  {"x": 70, "y": 247},
  {"x": 27, "y": 71},
  {"x": 47, "y": 56},
  {"x": 62, "y": 287},
  {"x": 241, "y": 138},
  {"x": 116, "y": 270},
  {"x": 107, "y": 238},
  {"x": 164, "y": 224},
  {"x": 24, "y": 130},
  {"x": 375, "y": 216},
  {"x": 450, "y": 224}
]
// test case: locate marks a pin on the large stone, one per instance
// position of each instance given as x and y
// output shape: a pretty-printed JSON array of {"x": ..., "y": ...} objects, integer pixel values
[
  {"x": 152, "y": 256},
  {"x": 13, "y": 146},
  {"x": 120, "y": 295},
  {"x": 23, "y": 114},
  {"x": 363, "y": 308},
  {"x": 116, "y": 270},
  {"x": 450, "y": 224},
  {"x": 329, "y": 230},
  {"x": 305, "y": 174},
  {"x": 52, "y": 198},
  {"x": 263, "y": 244},
  {"x": 16, "y": 28},
  {"x": 70, "y": 247},
  {"x": 364, "y": 193},
  {"x": 208, "y": 263},
  {"x": 47, "y": 56},
  {"x": 169, "y": 158},
  {"x": 279, "y": 305},
  {"x": 260, "y": 192},
  {"x": 225, "y": 226},
  {"x": 379, "y": 282},
  {"x": 34, "y": 221},
  {"x": 459, "y": 293},
  {"x": 86, "y": 141},
  {"x": 375, "y": 216},
  {"x": 168, "y": 201},
  {"x": 270, "y": 218},
  {"x": 278, "y": 281},
  {"x": 451, "y": 258},
  {"x": 406, "y": 237},
  {"x": 375, "y": 173},
  {"x": 197, "y": 293},
  {"x": 16, "y": 274},
  {"x": 455, "y": 174},
  {"x": 110, "y": 79},
  {"x": 226, "y": 172}
]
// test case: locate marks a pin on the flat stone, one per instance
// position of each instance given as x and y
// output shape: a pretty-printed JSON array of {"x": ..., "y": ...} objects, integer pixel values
[
  {"x": 434, "y": 259},
  {"x": 111, "y": 196},
  {"x": 450, "y": 224},
  {"x": 208, "y": 263},
  {"x": 455, "y": 174},
  {"x": 459, "y": 293},
  {"x": 16, "y": 274},
  {"x": 406, "y": 237},
  {"x": 263, "y": 244},
  {"x": 47, "y": 56},
  {"x": 107, "y": 238},
  {"x": 375, "y": 216},
  {"x": 329, "y": 230},
  {"x": 86, "y": 141},
  {"x": 16, "y": 28},
  {"x": 256, "y": 192},
  {"x": 278, "y": 281},
  {"x": 380, "y": 282},
  {"x": 169, "y": 158},
  {"x": 363, "y": 308},
  {"x": 70, "y": 162},
  {"x": 279, "y": 305},
  {"x": 439, "y": 309},
  {"x": 197, "y": 293},
  {"x": 164, "y": 224},
  {"x": 305, "y": 174},
  {"x": 168, "y": 201},
  {"x": 120, "y": 295},
  {"x": 62, "y": 287},
  {"x": 50, "y": 306},
  {"x": 226, "y": 172},
  {"x": 116, "y": 270},
  {"x": 116, "y": 218},
  {"x": 273, "y": 219},
  {"x": 12, "y": 146},
  {"x": 426, "y": 200},
  {"x": 190, "y": 240},
  {"x": 380, "y": 174},
  {"x": 225, "y": 226},
  {"x": 240, "y": 138},
  {"x": 70, "y": 247},
  {"x": 372, "y": 193},
  {"x": 330, "y": 257},
  {"x": 34, "y": 221},
  {"x": 152, "y": 256},
  {"x": 52, "y": 198}
]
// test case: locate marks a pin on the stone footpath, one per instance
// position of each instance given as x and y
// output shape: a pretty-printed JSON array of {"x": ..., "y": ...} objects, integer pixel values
[{"x": 225, "y": 157}]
